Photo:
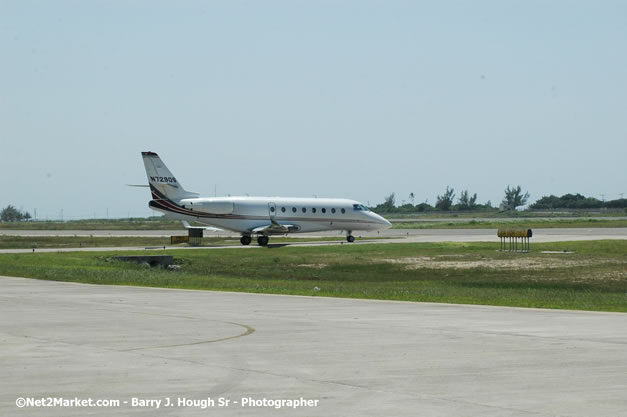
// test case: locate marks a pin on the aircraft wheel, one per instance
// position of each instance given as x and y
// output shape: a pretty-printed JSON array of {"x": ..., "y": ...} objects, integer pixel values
[
  {"x": 245, "y": 240},
  {"x": 350, "y": 238},
  {"x": 263, "y": 240}
]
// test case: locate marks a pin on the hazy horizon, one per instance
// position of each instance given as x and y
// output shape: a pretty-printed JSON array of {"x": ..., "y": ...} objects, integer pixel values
[{"x": 354, "y": 99}]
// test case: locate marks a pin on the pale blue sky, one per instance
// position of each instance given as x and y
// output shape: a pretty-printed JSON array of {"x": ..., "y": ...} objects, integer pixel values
[{"x": 351, "y": 99}]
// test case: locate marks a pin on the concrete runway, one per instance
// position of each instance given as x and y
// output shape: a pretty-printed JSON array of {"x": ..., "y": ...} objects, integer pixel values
[
  {"x": 356, "y": 357},
  {"x": 421, "y": 235},
  {"x": 392, "y": 236}
]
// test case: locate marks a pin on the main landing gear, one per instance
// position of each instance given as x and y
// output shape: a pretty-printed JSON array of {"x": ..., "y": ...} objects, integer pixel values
[
  {"x": 350, "y": 237},
  {"x": 262, "y": 240}
]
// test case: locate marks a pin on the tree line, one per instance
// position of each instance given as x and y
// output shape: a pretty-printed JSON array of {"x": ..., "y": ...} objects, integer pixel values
[
  {"x": 576, "y": 201},
  {"x": 513, "y": 198},
  {"x": 11, "y": 214}
]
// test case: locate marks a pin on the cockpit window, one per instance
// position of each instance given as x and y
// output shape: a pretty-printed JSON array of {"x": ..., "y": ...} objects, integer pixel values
[{"x": 360, "y": 207}]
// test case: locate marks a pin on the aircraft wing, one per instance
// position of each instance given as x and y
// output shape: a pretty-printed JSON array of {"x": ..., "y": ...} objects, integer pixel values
[
  {"x": 207, "y": 228},
  {"x": 276, "y": 228}
]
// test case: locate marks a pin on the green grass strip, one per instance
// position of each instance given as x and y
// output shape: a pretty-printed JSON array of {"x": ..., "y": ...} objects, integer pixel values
[{"x": 593, "y": 277}]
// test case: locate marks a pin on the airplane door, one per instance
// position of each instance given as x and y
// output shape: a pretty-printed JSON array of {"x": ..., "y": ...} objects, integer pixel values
[{"x": 272, "y": 210}]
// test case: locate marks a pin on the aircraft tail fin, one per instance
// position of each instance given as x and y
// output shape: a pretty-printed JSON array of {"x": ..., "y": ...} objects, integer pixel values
[{"x": 162, "y": 183}]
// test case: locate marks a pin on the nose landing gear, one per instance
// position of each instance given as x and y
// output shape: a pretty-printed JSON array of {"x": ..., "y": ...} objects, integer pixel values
[{"x": 349, "y": 236}]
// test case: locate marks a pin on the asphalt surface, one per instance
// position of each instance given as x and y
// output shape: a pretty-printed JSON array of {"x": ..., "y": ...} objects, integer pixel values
[
  {"x": 355, "y": 357},
  {"x": 434, "y": 234},
  {"x": 391, "y": 235}
]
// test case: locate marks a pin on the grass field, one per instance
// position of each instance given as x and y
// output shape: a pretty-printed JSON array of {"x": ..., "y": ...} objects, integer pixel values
[
  {"x": 497, "y": 214},
  {"x": 97, "y": 224},
  {"x": 495, "y": 224},
  {"x": 41, "y": 242},
  {"x": 594, "y": 277}
]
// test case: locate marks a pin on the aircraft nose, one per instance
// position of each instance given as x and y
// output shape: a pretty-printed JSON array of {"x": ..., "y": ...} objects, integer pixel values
[{"x": 385, "y": 224}]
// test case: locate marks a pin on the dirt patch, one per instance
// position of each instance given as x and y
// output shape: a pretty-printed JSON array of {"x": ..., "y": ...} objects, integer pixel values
[
  {"x": 314, "y": 266},
  {"x": 440, "y": 262}
]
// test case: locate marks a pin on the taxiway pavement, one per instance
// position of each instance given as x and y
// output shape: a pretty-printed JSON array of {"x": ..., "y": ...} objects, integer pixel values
[
  {"x": 357, "y": 357},
  {"x": 391, "y": 236}
]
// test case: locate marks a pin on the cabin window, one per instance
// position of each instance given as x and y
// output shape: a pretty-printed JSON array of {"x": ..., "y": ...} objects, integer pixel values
[
  {"x": 293, "y": 209},
  {"x": 332, "y": 210},
  {"x": 304, "y": 210},
  {"x": 283, "y": 209},
  {"x": 324, "y": 210},
  {"x": 343, "y": 211},
  {"x": 313, "y": 210},
  {"x": 272, "y": 209}
]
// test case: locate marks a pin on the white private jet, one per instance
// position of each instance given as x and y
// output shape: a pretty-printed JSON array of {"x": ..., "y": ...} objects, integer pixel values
[{"x": 261, "y": 216}]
